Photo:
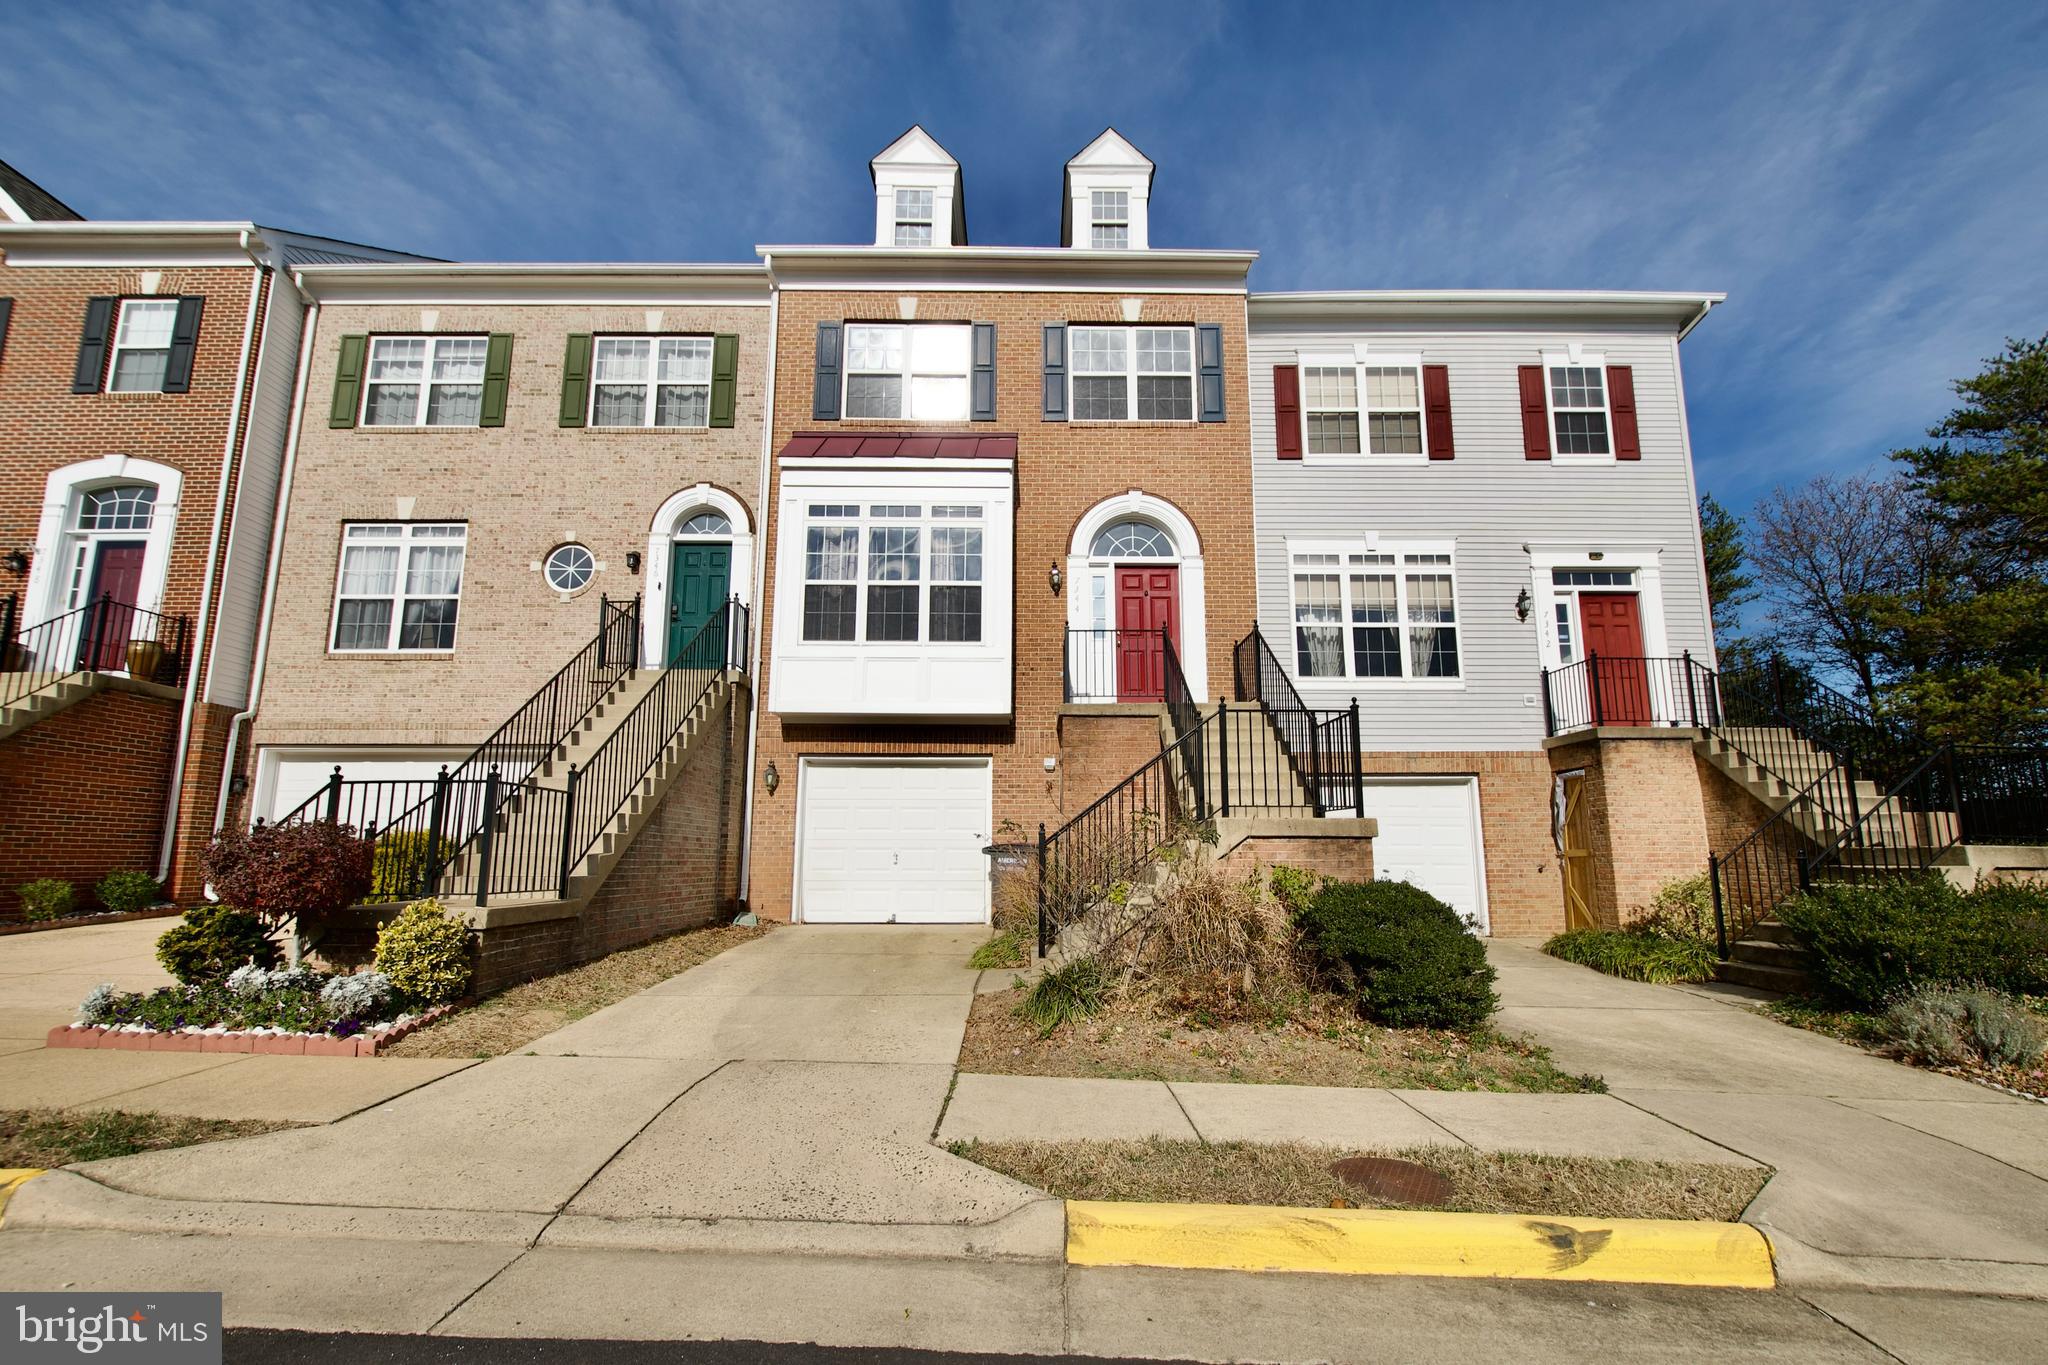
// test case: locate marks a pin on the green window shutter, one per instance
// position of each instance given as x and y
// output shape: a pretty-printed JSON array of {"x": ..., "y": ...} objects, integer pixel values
[
  {"x": 576, "y": 379},
  {"x": 348, "y": 381},
  {"x": 725, "y": 369},
  {"x": 497, "y": 380}
]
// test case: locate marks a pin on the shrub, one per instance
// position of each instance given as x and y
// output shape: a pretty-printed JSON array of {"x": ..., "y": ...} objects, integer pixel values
[
  {"x": 46, "y": 898},
  {"x": 1294, "y": 887},
  {"x": 1875, "y": 942},
  {"x": 1066, "y": 994},
  {"x": 1635, "y": 955},
  {"x": 1216, "y": 945},
  {"x": 213, "y": 941},
  {"x": 365, "y": 995},
  {"x": 401, "y": 864},
  {"x": 1404, "y": 955},
  {"x": 98, "y": 1004},
  {"x": 425, "y": 953},
  {"x": 1682, "y": 912},
  {"x": 284, "y": 872},
  {"x": 127, "y": 891},
  {"x": 1949, "y": 1025}
]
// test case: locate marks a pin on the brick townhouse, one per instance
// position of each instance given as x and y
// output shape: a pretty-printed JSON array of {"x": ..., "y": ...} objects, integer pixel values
[{"x": 146, "y": 373}]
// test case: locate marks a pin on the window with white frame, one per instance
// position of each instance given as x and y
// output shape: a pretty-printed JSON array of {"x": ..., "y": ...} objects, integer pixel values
[
  {"x": 1565, "y": 585},
  {"x": 1578, "y": 409},
  {"x": 399, "y": 587},
  {"x": 142, "y": 345},
  {"x": 1351, "y": 407},
  {"x": 1363, "y": 614},
  {"x": 425, "y": 381},
  {"x": 893, "y": 573},
  {"x": 913, "y": 217},
  {"x": 914, "y": 370},
  {"x": 1124, "y": 374},
  {"x": 1109, "y": 219},
  {"x": 121, "y": 512},
  {"x": 651, "y": 382}
]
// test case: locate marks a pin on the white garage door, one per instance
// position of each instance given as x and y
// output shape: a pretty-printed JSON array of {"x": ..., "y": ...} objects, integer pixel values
[
  {"x": 1429, "y": 835},
  {"x": 893, "y": 843}
]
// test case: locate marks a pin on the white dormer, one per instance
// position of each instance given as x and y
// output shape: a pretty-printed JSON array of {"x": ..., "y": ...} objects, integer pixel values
[
  {"x": 1108, "y": 194},
  {"x": 917, "y": 193}
]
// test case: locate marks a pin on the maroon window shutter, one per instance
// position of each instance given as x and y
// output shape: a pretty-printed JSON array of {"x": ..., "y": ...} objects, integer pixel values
[
  {"x": 1287, "y": 411},
  {"x": 1621, "y": 405},
  {"x": 1436, "y": 407},
  {"x": 1535, "y": 415}
]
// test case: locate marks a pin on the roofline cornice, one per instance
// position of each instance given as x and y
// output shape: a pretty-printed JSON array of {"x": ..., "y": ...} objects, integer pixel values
[
  {"x": 624, "y": 282},
  {"x": 1683, "y": 309}
]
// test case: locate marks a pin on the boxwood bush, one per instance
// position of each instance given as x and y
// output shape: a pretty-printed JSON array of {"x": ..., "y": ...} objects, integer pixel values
[
  {"x": 125, "y": 892},
  {"x": 46, "y": 898},
  {"x": 425, "y": 952},
  {"x": 1403, "y": 955},
  {"x": 1872, "y": 943},
  {"x": 211, "y": 942}
]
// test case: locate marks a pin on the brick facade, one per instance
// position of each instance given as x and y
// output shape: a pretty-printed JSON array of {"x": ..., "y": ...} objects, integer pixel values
[
  {"x": 1654, "y": 813},
  {"x": 1524, "y": 888},
  {"x": 45, "y": 427},
  {"x": 1063, "y": 470}
]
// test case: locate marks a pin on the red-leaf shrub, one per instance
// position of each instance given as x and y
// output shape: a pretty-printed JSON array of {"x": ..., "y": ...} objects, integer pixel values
[{"x": 285, "y": 871}]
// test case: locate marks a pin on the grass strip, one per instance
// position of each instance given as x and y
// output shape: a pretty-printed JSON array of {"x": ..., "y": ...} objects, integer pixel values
[{"x": 47, "y": 1138}]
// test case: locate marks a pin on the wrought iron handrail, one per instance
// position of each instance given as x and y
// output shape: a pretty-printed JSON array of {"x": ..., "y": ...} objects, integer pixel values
[
  {"x": 1756, "y": 876},
  {"x": 1303, "y": 732},
  {"x": 1634, "y": 690},
  {"x": 1909, "y": 827},
  {"x": 2003, "y": 794},
  {"x": 103, "y": 635}
]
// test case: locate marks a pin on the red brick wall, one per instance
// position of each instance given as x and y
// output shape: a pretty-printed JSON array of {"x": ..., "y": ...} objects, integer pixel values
[
  {"x": 1345, "y": 860},
  {"x": 82, "y": 792},
  {"x": 1732, "y": 813},
  {"x": 1098, "y": 752},
  {"x": 1063, "y": 469}
]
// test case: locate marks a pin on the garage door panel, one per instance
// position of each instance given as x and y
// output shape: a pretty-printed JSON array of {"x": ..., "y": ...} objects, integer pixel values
[
  {"x": 899, "y": 842},
  {"x": 1429, "y": 835}
]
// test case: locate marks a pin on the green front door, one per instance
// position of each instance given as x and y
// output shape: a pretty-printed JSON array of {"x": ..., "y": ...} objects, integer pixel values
[{"x": 699, "y": 576}]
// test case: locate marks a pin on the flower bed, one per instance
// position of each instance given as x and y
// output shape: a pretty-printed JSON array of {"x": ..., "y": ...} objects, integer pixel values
[
  {"x": 74, "y": 921},
  {"x": 287, "y": 1010}
]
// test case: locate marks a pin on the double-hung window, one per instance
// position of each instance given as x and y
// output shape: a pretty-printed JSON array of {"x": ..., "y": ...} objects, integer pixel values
[
  {"x": 908, "y": 370},
  {"x": 1109, "y": 219},
  {"x": 431, "y": 381},
  {"x": 400, "y": 585},
  {"x": 1124, "y": 374},
  {"x": 893, "y": 573},
  {"x": 1386, "y": 613},
  {"x": 1578, "y": 408},
  {"x": 142, "y": 345},
  {"x": 913, "y": 217},
  {"x": 1354, "y": 407},
  {"x": 651, "y": 382}
]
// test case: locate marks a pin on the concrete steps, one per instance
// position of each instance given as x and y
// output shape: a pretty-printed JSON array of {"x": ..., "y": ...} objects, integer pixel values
[
  {"x": 52, "y": 692},
  {"x": 1768, "y": 959}
]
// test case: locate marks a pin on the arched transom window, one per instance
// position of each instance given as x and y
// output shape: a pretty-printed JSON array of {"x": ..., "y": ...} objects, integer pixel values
[
  {"x": 706, "y": 523},
  {"x": 124, "y": 507},
  {"x": 1132, "y": 540}
]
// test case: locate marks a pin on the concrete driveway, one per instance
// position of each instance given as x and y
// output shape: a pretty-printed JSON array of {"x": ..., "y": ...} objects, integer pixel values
[{"x": 44, "y": 975}]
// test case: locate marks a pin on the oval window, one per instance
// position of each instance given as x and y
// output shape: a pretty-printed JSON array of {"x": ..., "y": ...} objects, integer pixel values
[{"x": 569, "y": 568}]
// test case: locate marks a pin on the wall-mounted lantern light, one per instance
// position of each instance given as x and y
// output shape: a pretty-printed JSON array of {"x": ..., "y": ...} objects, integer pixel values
[
  {"x": 771, "y": 777},
  {"x": 1523, "y": 604},
  {"x": 632, "y": 561},
  {"x": 1055, "y": 578},
  {"x": 16, "y": 562}
]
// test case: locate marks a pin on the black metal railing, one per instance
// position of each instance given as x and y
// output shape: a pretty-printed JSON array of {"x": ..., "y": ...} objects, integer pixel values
[
  {"x": 1115, "y": 665},
  {"x": 102, "y": 636},
  {"x": 2002, "y": 795},
  {"x": 1629, "y": 690},
  {"x": 1324, "y": 746},
  {"x": 1754, "y": 878},
  {"x": 1901, "y": 834}
]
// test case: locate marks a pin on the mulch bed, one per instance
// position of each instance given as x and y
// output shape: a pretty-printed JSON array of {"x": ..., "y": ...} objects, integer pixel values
[{"x": 73, "y": 921}]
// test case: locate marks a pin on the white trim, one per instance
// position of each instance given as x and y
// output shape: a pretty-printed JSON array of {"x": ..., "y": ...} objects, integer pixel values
[
  {"x": 1577, "y": 357},
  {"x": 1471, "y": 783},
  {"x": 169, "y": 304},
  {"x": 1644, "y": 561},
  {"x": 661, "y": 538},
  {"x": 61, "y": 490},
  {"x": 1187, "y": 543},
  {"x": 426, "y": 383},
  {"x": 908, "y": 373},
  {"x": 406, "y": 542},
  {"x": 650, "y": 400},
  {"x": 1373, "y": 544},
  {"x": 807, "y": 761}
]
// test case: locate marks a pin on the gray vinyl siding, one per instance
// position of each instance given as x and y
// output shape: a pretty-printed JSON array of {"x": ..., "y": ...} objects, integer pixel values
[
  {"x": 1491, "y": 502},
  {"x": 255, "y": 507}
]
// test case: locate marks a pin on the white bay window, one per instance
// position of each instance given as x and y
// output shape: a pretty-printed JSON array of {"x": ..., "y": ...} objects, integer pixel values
[{"x": 893, "y": 572}]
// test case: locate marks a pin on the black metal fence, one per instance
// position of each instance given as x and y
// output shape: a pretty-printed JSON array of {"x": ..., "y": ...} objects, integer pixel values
[
  {"x": 1629, "y": 690},
  {"x": 1115, "y": 665},
  {"x": 102, "y": 636},
  {"x": 1755, "y": 877},
  {"x": 2002, "y": 795}
]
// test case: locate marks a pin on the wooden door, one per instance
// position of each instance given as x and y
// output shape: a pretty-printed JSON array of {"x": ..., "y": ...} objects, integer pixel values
[
  {"x": 1576, "y": 855},
  {"x": 1612, "y": 625},
  {"x": 699, "y": 578},
  {"x": 116, "y": 574},
  {"x": 1147, "y": 602}
]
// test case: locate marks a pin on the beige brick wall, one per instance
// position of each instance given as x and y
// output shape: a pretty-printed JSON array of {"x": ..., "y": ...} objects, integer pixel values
[
  {"x": 1648, "y": 815},
  {"x": 1524, "y": 889},
  {"x": 1345, "y": 860},
  {"x": 1063, "y": 469},
  {"x": 523, "y": 488}
]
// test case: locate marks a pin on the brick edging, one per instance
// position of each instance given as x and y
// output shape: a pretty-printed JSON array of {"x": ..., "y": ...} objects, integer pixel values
[
  {"x": 94, "y": 1036},
  {"x": 80, "y": 921}
]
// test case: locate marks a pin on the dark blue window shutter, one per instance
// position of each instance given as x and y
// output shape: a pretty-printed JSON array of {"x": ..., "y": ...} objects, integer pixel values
[
  {"x": 984, "y": 409},
  {"x": 184, "y": 340},
  {"x": 1209, "y": 370},
  {"x": 825, "y": 383},
  {"x": 1055, "y": 372},
  {"x": 92, "y": 346},
  {"x": 6, "y": 312}
]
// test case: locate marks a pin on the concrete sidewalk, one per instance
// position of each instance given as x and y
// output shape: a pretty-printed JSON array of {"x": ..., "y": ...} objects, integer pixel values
[{"x": 45, "y": 974}]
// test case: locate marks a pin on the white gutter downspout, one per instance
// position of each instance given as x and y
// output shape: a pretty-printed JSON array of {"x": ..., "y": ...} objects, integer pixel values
[
  {"x": 200, "y": 643},
  {"x": 277, "y": 521},
  {"x": 761, "y": 518}
]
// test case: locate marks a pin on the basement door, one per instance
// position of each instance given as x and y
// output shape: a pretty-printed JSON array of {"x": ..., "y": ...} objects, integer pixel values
[
  {"x": 893, "y": 843},
  {"x": 699, "y": 577},
  {"x": 1429, "y": 836},
  {"x": 1147, "y": 602},
  {"x": 1613, "y": 627}
]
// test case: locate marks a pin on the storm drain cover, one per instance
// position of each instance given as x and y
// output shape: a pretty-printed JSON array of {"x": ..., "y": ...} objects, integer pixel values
[{"x": 1397, "y": 1182}]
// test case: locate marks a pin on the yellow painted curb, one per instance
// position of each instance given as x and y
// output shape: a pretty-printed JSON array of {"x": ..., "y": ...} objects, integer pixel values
[
  {"x": 1389, "y": 1242},
  {"x": 13, "y": 1178}
]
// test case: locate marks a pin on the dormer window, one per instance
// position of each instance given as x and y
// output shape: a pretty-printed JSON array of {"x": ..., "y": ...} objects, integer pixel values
[
  {"x": 1109, "y": 220},
  {"x": 913, "y": 218}
]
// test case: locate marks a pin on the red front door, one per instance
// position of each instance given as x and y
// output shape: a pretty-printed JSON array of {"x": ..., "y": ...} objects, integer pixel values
[
  {"x": 1613, "y": 627},
  {"x": 116, "y": 574},
  {"x": 1147, "y": 602}
]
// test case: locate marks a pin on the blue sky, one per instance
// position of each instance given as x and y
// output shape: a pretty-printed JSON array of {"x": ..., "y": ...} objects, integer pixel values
[{"x": 1868, "y": 181}]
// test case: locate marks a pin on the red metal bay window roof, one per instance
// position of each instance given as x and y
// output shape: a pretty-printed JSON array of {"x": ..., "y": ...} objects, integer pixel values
[{"x": 909, "y": 445}]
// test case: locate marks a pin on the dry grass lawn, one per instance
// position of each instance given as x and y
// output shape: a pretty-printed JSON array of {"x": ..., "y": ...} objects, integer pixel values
[
  {"x": 1297, "y": 1175},
  {"x": 515, "y": 1017},
  {"x": 1320, "y": 1043},
  {"x": 46, "y": 1138}
]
